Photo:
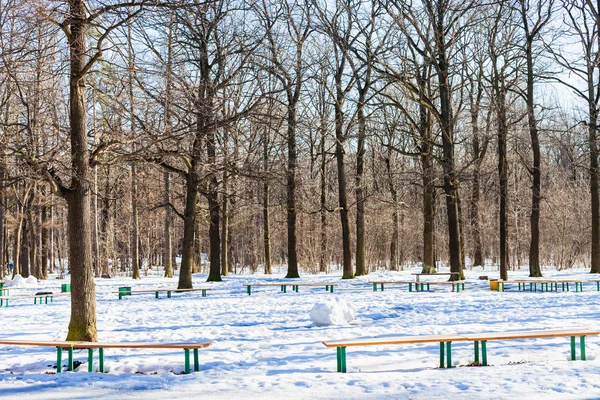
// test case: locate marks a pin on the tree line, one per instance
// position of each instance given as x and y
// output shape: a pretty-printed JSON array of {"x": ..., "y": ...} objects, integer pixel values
[{"x": 354, "y": 134}]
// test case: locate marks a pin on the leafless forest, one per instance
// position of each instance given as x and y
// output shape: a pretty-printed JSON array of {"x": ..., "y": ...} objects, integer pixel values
[{"x": 350, "y": 134}]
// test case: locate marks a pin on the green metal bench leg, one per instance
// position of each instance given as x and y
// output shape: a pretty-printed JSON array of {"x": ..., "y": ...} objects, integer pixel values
[
  {"x": 341, "y": 359},
  {"x": 120, "y": 295},
  {"x": 476, "y": 351},
  {"x": 59, "y": 359},
  {"x": 573, "y": 355},
  {"x": 90, "y": 360},
  {"x": 196, "y": 361},
  {"x": 582, "y": 347},
  {"x": 249, "y": 290},
  {"x": 203, "y": 292},
  {"x": 427, "y": 287},
  {"x": 598, "y": 285},
  {"x": 567, "y": 286},
  {"x": 374, "y": 287},
  {"x": 70, "y": 366},
  {"x": 45, "y": 300},
  {"x": 331, "y": 289},
  {"x": 284, "y": 288},
  {"x": 382, "y": 287},
  {"x": 410, "y": 287},
  {"x": 448, "y": 354},
  {"x": 484, "y": 352},
  {"x": 168, "y": 294},
  {"x": 156, "y": 295},
  {"x": 441, "y": 354},
  {"x": 101, "y": 360},
  {"x": 187, "y": 361},
  {"x": 296, "y": 288}
]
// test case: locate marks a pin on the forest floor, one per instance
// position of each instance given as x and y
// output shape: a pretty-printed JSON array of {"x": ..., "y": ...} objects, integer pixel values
[{"x": 266, "y": 346}]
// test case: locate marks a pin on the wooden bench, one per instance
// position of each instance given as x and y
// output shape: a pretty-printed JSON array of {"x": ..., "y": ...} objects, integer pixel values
[
  {"x": 419, "y": 286},
  {"x": 445, "y": 342},
  {"x": 90, "y": 346},
  {"x": 485, "y": 337},
  {"x": 419, "y": 274},
  {"x": 284, "y": 285},
  {"x": 156, "y": 292},
  {"x": 545, "y": 282},
  {"x": 4, "y": 300}
]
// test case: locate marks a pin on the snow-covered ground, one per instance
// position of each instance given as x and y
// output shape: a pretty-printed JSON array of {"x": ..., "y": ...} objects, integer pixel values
[{"x": 267, "y": 346}]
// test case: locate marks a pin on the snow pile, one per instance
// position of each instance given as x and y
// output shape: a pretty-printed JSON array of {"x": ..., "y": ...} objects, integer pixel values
[
  {"x": 332, "y": 312},
  {"x": 20, "y": 282},
  {"x": 31, "y": 281}
]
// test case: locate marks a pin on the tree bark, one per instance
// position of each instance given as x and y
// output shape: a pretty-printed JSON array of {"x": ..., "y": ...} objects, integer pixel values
[
  {"x": 82, "y": 325},
  {"x": 361, "y": 268}
]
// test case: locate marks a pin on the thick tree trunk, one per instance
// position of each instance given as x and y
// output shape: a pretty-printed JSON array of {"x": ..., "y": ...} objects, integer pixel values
[
  {"x": 292, "y": 271},
  {"x": 82, "y": 325},
  {"x": 214, "y": 274},
  {"x": 323, "y": 259},
  {"x": 168, "y": 253},
  {"x": 475, "y": 194},
  {"x": 348, "y": 272},
  {"x": 265, "y": 201},
  {"x": 428, "y": 179},
  {"x": 189, "y": 226},
  {"x": 395, "y": 220},
  {"x": 594, "y": 189},
  {"x": 225, "y": 226},
  {"x": 135, "y": 237},
  {"x": 534, "y": 248},
  {"x": 360, "y": 197},
  {"x": 24, "y": 251},
  {"x": 450, "y": 174}
]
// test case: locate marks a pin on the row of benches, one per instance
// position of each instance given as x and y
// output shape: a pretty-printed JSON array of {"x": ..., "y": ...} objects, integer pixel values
[
  {"x": 548, "y": 285},
  {"x": 445, "y": 342}
]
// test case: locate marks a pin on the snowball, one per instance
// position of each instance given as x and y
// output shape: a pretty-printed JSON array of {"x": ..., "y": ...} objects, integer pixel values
[{"x": 332, "y": 312}]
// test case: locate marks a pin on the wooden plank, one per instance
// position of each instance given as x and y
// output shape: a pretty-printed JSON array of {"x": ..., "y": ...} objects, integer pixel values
[
  {"x": 163, "y": 290},
  {"x": 530, "y": 334},
  {"x": 45, "y": 343},
  {"x": 395, "y": 340},
  {"x": 140, "y": 345},
  {"x": 437, "y": 273},
  {"x": 105, "y": 345},
  {"x": 393, "y": 282},
  {"x": 35, "y": 296}
]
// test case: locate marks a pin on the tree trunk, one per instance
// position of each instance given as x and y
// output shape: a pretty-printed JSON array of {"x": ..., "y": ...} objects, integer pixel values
[
  {"x": 395, "y": 220},
  {"x": 168, "y": 254},
  {"x": 265, "y": 201},
  {"x": 360, "y": 197},
  {"x": 348, "y": 272},
  {"x": 534, "y": 248},
  {"x": 82, "y": 326},
  {"x": 292, "y": 271},
  {"x": 428, "y": 179},
  {"x": 189, "y": 226}
]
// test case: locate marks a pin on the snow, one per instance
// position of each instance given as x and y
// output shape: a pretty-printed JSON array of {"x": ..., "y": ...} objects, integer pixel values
[
  {"x": 268, "y": 346},
  {"x": 19, "y": 282},
  {"x": 332, "y": 312}
]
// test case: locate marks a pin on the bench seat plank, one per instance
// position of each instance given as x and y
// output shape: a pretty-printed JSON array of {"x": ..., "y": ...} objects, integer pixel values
[
  {"x": 395, "y": 340},
  {"x": 529, "y": 334},
  {"x": 140, "y": 345}
]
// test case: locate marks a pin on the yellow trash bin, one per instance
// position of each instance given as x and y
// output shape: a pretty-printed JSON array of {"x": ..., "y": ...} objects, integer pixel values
[{"x": 494, "y": 284}]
